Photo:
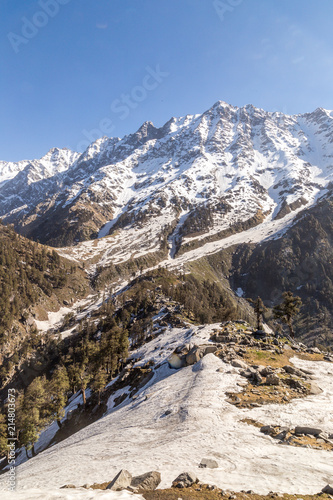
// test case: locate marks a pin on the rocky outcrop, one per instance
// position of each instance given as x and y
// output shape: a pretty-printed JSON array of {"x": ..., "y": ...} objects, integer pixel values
[{"x": 185, "y": 480}]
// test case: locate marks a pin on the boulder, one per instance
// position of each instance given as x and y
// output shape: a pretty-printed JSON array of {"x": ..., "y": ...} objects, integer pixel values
[
  {"x": 238, "y": 363},
  {"x": 315, "y": 389},
  {"x": 265, "y": 370},
  {"x": 293, "y": 371},
  {"x": 266, "y": 429},
  {"x": 185, "y": 480},
  {"x": 313, "y": 350},
  {"x": 328, "y": 489},
  {"x": 195, "y": 354},
  {"x": 208, "y": 463},
  {"x": 312, "y": 431},
  {"x": 147, "y": 482},
  {"x": 272, "y": 379},
  {"x": 121, "y": 481},
  {"x": 248, "y": 373},
  {"x": 257, "y": 378},
  {"x": 210, "y": 349},
  {"x": 175, "y": 361},
  {"x": 294, "y": 384}
]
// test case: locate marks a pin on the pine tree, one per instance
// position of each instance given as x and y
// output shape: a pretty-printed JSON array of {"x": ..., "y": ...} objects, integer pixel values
[
  {"x": 58, "y": 388},
  {"x": 259, "y": 309},
  {"x": 289, "y": 307},
  {"x": 98, "y": 383},
  {"x": 33, "y": 412}
]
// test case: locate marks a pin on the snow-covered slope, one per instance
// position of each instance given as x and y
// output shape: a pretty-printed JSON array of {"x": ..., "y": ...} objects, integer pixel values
[
  {"x": 192, "y": 178},
  {"x": 182, "y": 416}
]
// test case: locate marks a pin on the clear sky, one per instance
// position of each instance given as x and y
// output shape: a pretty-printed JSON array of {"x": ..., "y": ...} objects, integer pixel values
[{"x": 72, "y": 70}]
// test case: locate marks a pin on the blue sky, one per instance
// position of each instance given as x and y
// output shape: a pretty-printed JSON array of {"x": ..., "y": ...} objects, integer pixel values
[{"x": 73, "y": 70}]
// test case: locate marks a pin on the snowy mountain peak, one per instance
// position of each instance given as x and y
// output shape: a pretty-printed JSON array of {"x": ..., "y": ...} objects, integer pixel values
[{"x": 199, "y": 174}]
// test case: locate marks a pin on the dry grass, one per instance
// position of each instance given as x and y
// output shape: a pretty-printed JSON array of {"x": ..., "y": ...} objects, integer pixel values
[
  {"x": 267, "y": 358},
  {"x": 205, "y": 494}
]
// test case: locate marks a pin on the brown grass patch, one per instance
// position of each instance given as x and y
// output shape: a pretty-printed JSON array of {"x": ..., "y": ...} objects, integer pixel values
[
  {"x": 255, "y": 395},
  {"x": 205, "y": 494}
]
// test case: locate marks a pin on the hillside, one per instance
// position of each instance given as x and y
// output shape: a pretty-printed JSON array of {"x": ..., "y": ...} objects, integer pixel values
[{"x": 34, "y": 281}]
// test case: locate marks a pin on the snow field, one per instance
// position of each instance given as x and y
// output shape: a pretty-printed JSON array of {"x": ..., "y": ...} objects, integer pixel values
[{"x": 182, "y": 416}]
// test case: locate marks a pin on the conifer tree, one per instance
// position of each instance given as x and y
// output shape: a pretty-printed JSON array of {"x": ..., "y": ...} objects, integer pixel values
[
  {"x": 259, "y": 309},
  {"x": 58, "y": 389},
  {"x": 98, "y": 383},
  {"x": 289, "y": 307}
]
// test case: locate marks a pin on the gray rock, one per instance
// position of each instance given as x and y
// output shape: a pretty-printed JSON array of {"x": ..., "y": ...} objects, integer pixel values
[
  {"x": 293, "y": 371},
  {"x": 328, "y": 489},
  {"x": 312, "y": 431},
  {"x": 266, "y": 370},
  {"x": 238, "y": 363},
  {"x": 176, "y": 361},
  {"x": 147, "y": 482},
  {"x": 315, "y": 389},
  {"x": 257, "y": 378},
  {"x": 247, "y": 373},
  {"x": 266, "y": 429},
  {"x": 185, "y": 480},
  {"x": 210, "y": 349},
  {"x": 121, "y": 481},
  {"x": 282, "y": 435},
  {"x": 313, "y": 350},
  {"x": 294, "y": 384},
  {"x": 272, "y": 379},
  {"x": 208, "y": 463},
  {"x": 195, "y": 354}
]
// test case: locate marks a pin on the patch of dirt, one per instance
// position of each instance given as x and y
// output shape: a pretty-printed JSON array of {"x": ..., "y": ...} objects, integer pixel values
[
  {"x": 205, "y": 494},
  {"x": 258, "y": 395}
]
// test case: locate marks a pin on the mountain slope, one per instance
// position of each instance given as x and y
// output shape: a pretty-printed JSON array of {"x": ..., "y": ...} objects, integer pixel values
[{"x": 181, "y": 416}]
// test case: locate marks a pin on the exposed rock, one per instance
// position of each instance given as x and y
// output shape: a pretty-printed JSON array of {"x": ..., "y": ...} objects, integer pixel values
[
  {"x": 121, "y": 481},
  {"x": 238, "y": 363},
  {"x": 185, "y": 480},
  {"x": 328, "y": 489},
  {"x": 272, "y": 379},
  {"x": 315, "y": 389},
  {"x": 210, "y": 349},
  {"x": 266, "y": 429},
  {"x": 248, "y": 373},
  {"x": 67, "y": 486},
  {"x": 313, "y": 350},
  {"x": 176, "y": 361},
  {"x": 293, "y": 371},
  {"x": 312, "y": 431},
  {"x": 257, "y": 378},
  {"x": 208, "y": 463},
  {"x": 294, "y": 384},
  {"x": 195, "y": 354},
  {"x": 265, "y": 370},
  {"x": 147, "y": 482}
]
